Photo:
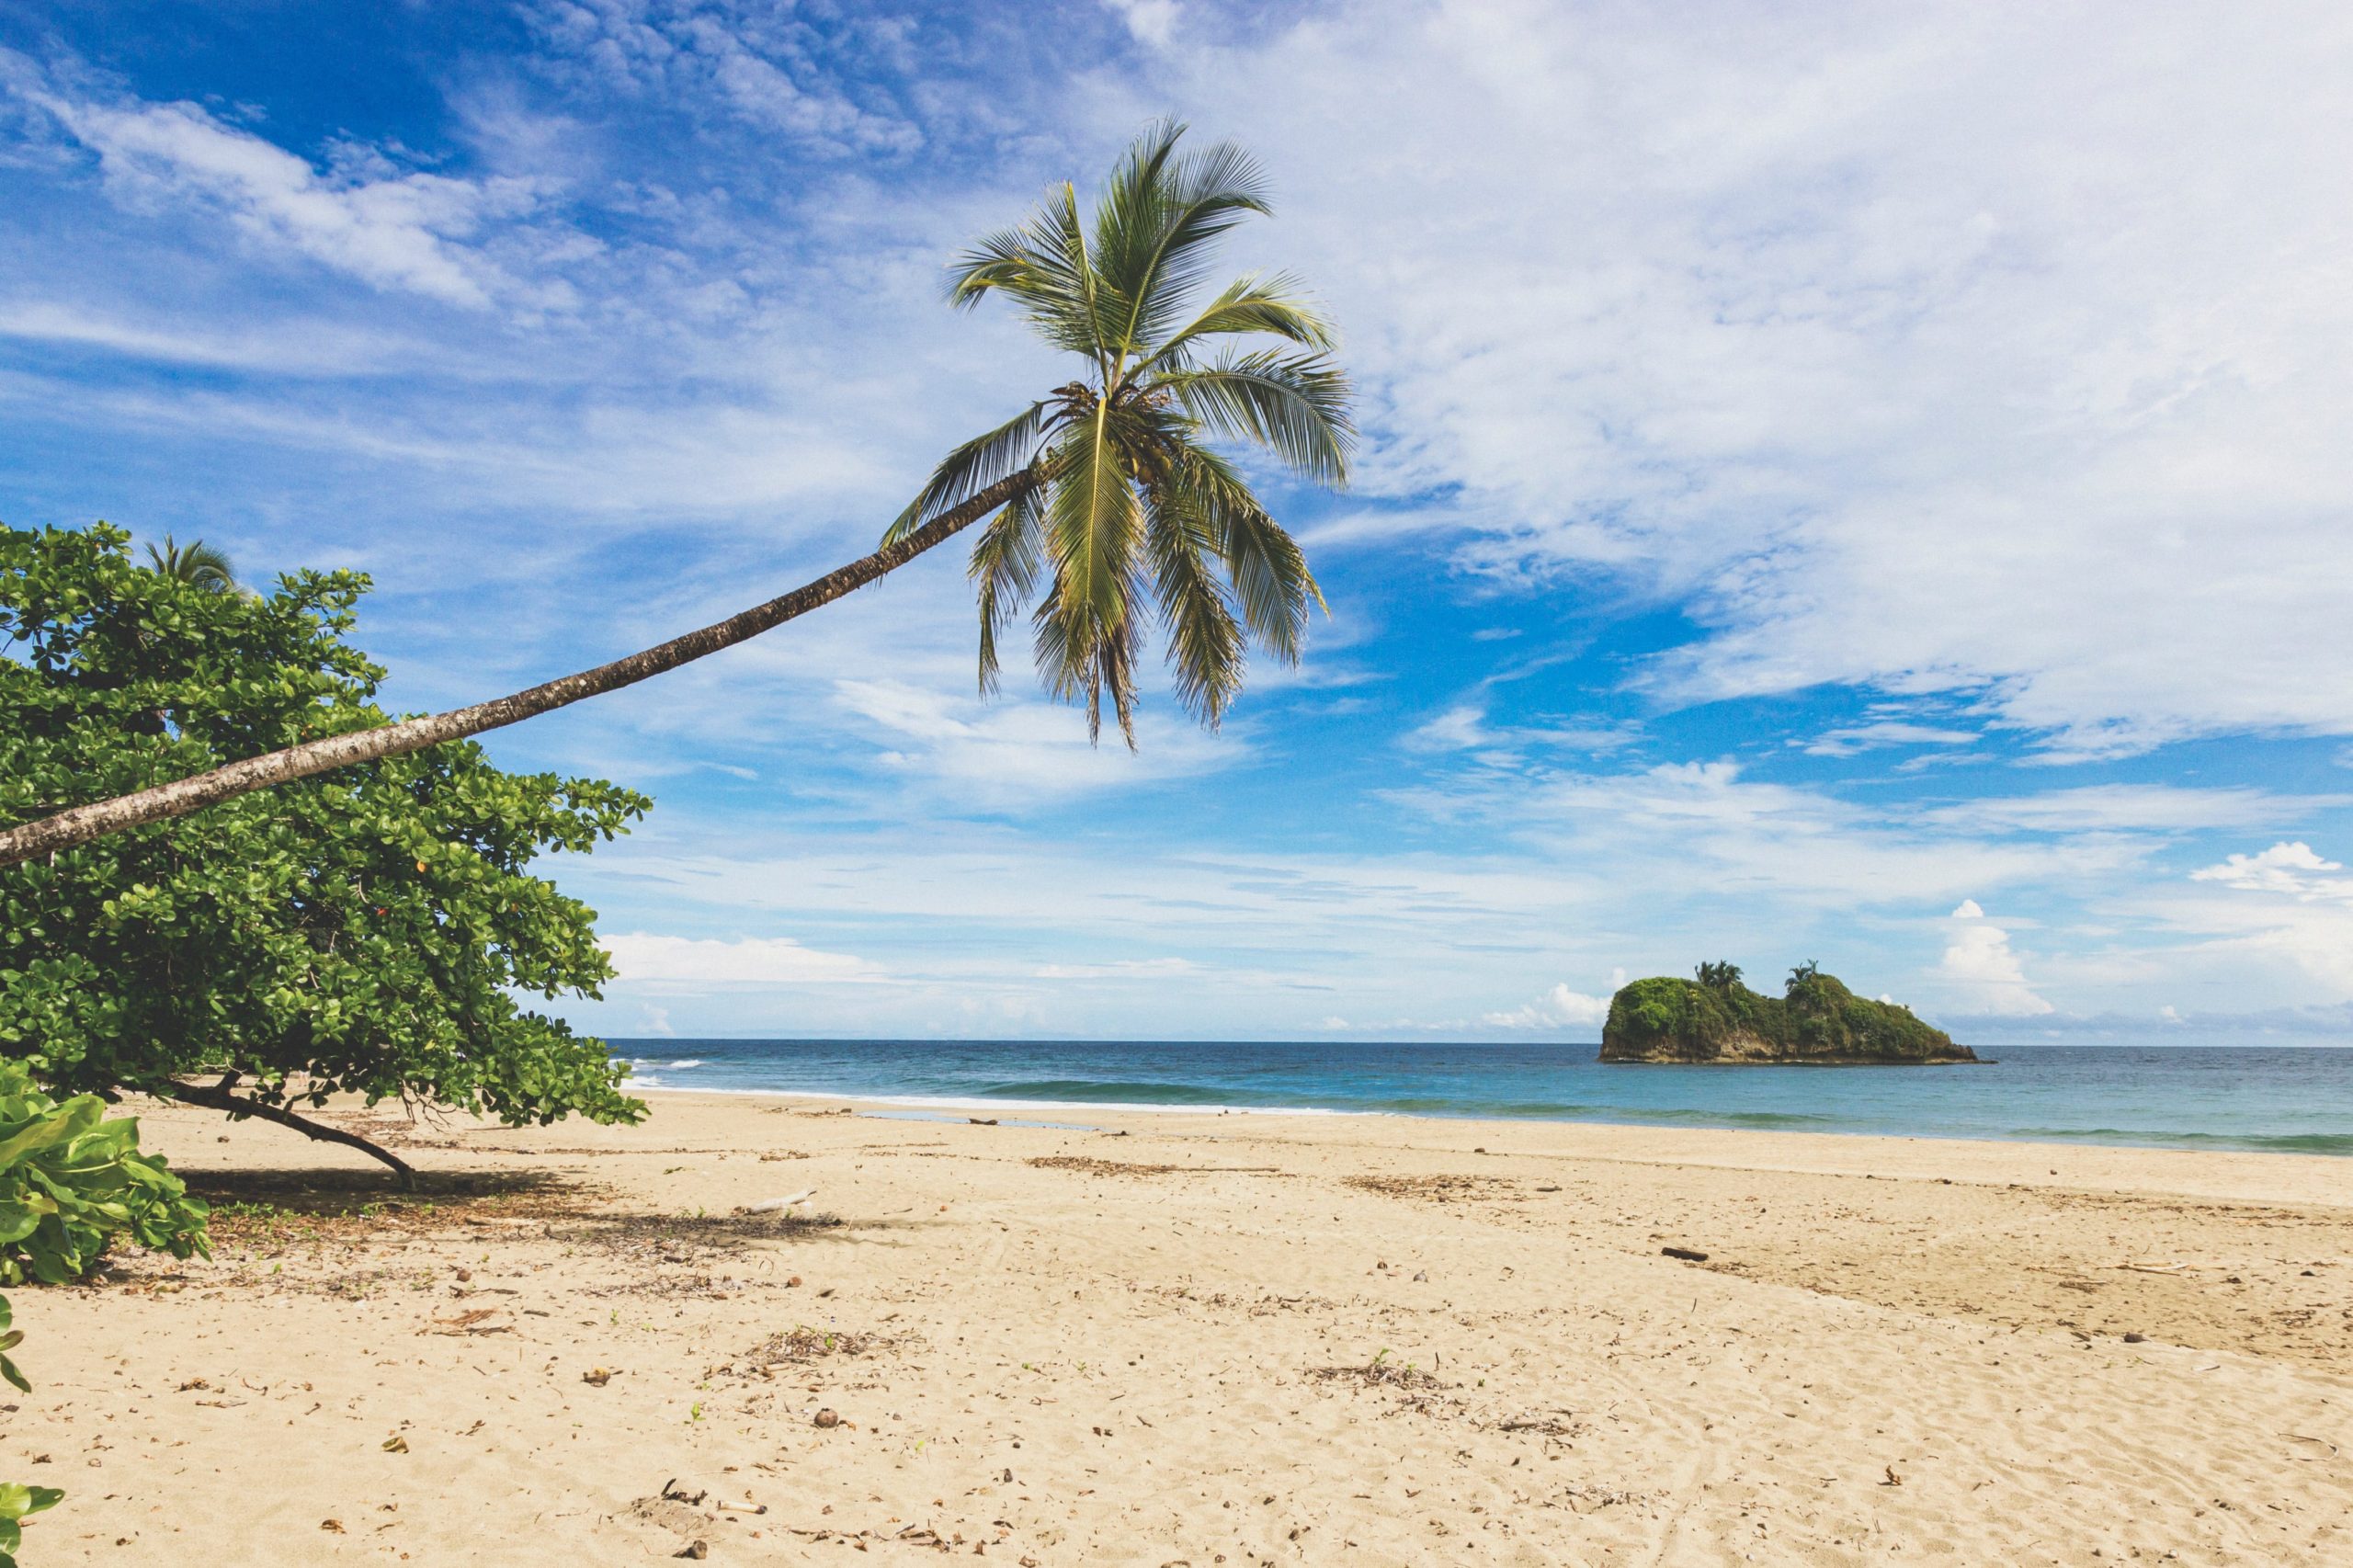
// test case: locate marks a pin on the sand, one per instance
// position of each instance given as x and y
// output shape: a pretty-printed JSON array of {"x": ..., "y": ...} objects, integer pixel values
[{"x": 1243, "y": 1339}]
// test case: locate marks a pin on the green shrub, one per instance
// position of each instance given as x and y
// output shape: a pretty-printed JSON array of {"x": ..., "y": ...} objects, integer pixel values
[
  {"x": 71, "y": 1180},
  {"x": 374, "y": 931}
]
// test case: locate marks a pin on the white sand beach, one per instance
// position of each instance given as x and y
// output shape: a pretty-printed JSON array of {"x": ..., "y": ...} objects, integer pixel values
[{"x": 1240, "y": 1339}]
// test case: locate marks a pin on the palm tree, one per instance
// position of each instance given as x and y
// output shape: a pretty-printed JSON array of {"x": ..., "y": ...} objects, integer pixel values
[
  {"x": 1128, "y": 502},
  {"x": 1104, "y": 486},
  {"x": 197, "y": 562}
]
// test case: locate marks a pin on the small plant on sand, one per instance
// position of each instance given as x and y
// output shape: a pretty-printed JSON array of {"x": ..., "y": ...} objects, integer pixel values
[
  {"x": 71, "y": 1181},
  {"x": 16, "y": 1500}
]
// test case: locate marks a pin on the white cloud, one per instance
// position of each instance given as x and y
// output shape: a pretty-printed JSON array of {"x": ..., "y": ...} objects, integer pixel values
[
  {"x": 1985, "y": 974},
  {"x": 1121, "y": 969},
  {"x": 752, "y": 62},
  {"x": 2133, "y": 807},
  {"x": 1930, "y": 348},
  {"x": 649, "y": 957},
  {"x": 2290, "y": 868},
  {"x": 1855, "y": 738},
  {"x": 397, "y": 231},
  {"x": 1020, "y": 750},
  {"x": 1969, "y": 910},
  {"x": 1559, "y": 1009},
  {"x": 1458, "y": 729},
  {"x": 1152, "y": 22}
]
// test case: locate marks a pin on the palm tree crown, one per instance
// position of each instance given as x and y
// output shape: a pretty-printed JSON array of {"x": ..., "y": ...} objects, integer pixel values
[
  {"x": 1127, "y": 506},
  {"x": 195, "y": 561}
]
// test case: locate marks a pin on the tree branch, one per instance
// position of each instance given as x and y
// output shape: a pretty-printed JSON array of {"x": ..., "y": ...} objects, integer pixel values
[
  {"x": 80, "y": 824},
  {"x": 218, "y": 1097}
]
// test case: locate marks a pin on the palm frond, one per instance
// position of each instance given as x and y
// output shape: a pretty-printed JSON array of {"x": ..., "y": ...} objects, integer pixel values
[
  {"x": 972, "y": 467},
  {"x": 1153, "y": 246},
  {"x": 195, "y": 562},
  {"x": 1087, "y": 628},
  {"x": 1296, "y": 405},
  {"x": 1092, "y": 516},
  {"x": 1249, "y": 306},
  {"x": 1264, "y": 563},
  {"x": 1205, "y": 641},
  {"x": 1081, "y": 655},
  {"x": 1043, "y": 264},
  {"x": 1004, "y": 568}
]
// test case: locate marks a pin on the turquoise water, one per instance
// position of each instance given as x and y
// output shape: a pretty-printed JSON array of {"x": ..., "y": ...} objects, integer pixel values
[{"x": 2284, "y": 1099}]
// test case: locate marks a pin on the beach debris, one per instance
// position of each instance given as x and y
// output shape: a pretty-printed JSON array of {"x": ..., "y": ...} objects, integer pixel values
[
  {"x": 802, "y": 1345},
  {"x": 395, "y": 1444},
  {"x": 1892, "y": 1479},
  {"x": 695, "y": 1551},
  {"x": 981, "y": 1120},
  {"x": 781, "y": 1205},
  {"x": 826, "y": 1418},
  {"x": 2136, "y": 1339},
  {"x": 597, "y": 1377},
  {"x": 1547, "y": 1187},
  {"x": 793, "y": 1283},
  {"x": 1421, "y": 1276},
  {"x": 1686, "y": 1254},
  {"x": 727, "y": 1507},
  {"x": 333, "y": 1526},
  {"x": 673, "y": 1493}
]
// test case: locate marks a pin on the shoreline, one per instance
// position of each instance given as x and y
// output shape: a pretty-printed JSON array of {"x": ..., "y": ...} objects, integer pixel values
[
  {"x": 2275, "y": 1175},
  {"x": 1097, "y": 1109}
]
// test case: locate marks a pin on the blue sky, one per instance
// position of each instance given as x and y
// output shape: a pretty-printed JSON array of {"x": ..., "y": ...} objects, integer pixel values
[{"x": 1843, "y": 483}]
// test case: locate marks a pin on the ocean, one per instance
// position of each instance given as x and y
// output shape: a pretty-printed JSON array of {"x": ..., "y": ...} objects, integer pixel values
[{"x": 2284, "y": 1099}]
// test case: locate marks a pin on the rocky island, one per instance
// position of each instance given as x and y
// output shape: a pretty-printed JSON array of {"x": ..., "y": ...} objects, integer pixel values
[{"x": 1716, "y": 1019}]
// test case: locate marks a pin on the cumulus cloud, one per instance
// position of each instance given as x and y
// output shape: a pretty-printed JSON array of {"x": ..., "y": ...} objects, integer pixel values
[
  {"x": 1983, "y": 973},
  {"x": 1969, "y": 910},
  {"x": 2294, "y": 869},
  {"x": 1559, "y": 1009}
]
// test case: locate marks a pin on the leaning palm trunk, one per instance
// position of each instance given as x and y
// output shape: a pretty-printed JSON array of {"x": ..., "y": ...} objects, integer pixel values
[{"x": 80, "y": 824}]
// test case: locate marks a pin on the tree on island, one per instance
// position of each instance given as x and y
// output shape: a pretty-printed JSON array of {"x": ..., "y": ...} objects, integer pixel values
[
  {"x": 1102, "y": 493},
  {"x": 365, "y": 932},
  {"x": 1721, "y": 976}
]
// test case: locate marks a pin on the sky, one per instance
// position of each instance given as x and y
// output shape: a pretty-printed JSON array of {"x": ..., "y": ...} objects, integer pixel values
[{"x": 1855, "y": 483}]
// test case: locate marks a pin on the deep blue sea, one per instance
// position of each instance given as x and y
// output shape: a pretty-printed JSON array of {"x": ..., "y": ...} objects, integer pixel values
[{"x": 2288, "y": 1099}]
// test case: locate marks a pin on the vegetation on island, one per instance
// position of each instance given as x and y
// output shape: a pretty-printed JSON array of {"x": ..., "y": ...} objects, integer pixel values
[
  {"x": 1106, "y": 502},
  {"x": 366, "y": 931},
  {"x": 1714, "y": 1018}
]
